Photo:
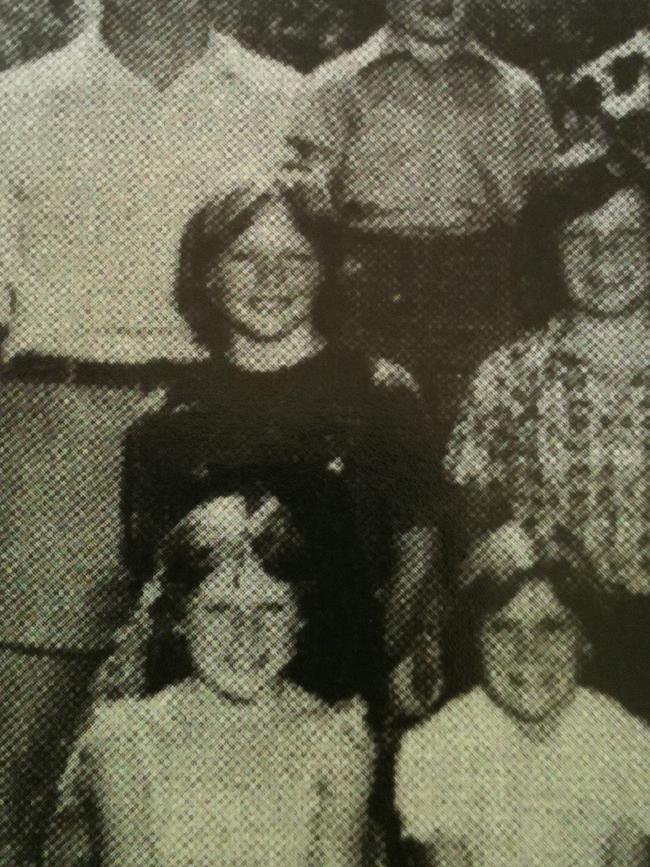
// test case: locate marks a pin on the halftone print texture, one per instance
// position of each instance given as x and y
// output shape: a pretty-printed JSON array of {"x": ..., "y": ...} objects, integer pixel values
[{"x": 367, "y": 284}]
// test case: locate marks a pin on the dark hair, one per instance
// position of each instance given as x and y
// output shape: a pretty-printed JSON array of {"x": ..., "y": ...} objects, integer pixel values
[
  {"x": 192, "y": 550},
  {"x": 213, "y": 230},
  {"x": 556, "y": 200},
  {"x": 566, "y": 569}
]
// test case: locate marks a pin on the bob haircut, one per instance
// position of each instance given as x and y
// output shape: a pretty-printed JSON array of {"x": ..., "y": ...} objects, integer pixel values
[
  {"x": 557, "y": 200},
  {"x": 213, "y": 230},
  {"x": 564, "y": 566},
  {"x": 209, "y": 535}
]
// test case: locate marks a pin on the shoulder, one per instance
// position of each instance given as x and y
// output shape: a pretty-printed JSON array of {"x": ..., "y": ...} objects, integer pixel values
[
  {"x": 33, "y": 85},
  {"x": 444, "y": 736},
  {"x": 349, "y": 64},
  {"x": 607, "y": 721},
  {"x": 517, "y": 83},
  {"x": 506, "y": 365},
  {"x": 255, "y": 71}
]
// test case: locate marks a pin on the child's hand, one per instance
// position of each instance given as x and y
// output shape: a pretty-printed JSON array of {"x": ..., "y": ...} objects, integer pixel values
[
  {"x": 416, "y": 682},
  {"x": 308, "y": 185}
]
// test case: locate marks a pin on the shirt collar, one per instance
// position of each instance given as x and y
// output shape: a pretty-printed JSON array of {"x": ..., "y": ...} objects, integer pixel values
[
  {"x": 388, "y": 41},
  {"x": 219, "y": 54}
]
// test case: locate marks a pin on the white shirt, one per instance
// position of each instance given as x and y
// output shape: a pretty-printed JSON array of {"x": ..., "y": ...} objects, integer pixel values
[
  {"x": 470, "y": 773},
  {"x": 188, "y": 779},
  {"x": 99, "y": 173}
]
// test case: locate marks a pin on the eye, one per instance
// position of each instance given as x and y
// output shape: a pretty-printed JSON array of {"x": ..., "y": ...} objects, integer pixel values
[
  {"x": 217, "y": 608},
  {"x": 241, "y": 256},
  {"x": 501, "y": 627},
  {"x": 552, "y": 626}
]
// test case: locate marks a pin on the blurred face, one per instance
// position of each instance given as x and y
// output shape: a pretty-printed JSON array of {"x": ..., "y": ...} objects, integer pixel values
[
  {"x": 606, "y": 257},
  {"x": 531, "y": 652},
  {"x": 241, "y": 628},
  {"x": 430, "y": 20},
  {"x": 269, "y": 278}
]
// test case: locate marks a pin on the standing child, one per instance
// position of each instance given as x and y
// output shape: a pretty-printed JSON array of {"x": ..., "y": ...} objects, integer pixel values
[
  {"x": 528, "y": 769},
  {"x": 421, "y": 146},
  {"x": 217, "y": 758},
  {"x": 340, "y": 437}
]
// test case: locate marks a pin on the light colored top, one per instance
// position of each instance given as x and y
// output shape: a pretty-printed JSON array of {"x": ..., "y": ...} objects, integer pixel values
[
  {"x": 419, "y": 143},
  {"x": 100, "y": 171},
  {"x": 543, "y": 429},
  {"x": 470, "y": 773},
  {"x": 189, "y": 779}
]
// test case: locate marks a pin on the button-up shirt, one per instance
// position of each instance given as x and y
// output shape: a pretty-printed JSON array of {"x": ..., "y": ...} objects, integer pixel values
[
  {"x": 421, "y": 142},
  {"x": 99, "y": 172}
]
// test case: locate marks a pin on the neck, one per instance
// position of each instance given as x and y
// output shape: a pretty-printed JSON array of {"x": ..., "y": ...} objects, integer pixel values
[
  {"x": 157, "y": 44},
  {"x": 250, "y": 354}
]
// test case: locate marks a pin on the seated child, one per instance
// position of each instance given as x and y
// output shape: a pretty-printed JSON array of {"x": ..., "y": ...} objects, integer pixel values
[
  {"x": 527, "y": 769},
  {"x": 215, "y": 757}
]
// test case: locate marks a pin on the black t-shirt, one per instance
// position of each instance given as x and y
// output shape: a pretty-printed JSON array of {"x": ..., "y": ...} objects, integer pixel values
[{"x": 352, "y": 459}]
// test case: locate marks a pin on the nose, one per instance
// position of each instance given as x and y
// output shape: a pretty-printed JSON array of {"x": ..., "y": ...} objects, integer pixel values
[{"x": 269, "y": 275}]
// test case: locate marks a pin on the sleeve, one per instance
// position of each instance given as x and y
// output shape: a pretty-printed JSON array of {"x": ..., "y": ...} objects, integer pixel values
[
  {"x": 317, "y": 139},
  {"x": 404, "y": 447},
  {"x": 473, "y": 453},
  {"x": 636, "y": 778},
  {"x": 73, "y": 837},
  {"x": 537, "y": 140},
  {"x": 348, "y": 768},
  {"x": 9, "y": 247},
  {"x": 414, "y": 768}
]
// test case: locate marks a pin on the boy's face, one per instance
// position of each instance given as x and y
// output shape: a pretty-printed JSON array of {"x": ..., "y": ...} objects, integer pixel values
[
  {"x": 430, "y": 20},
  {"x": 531, "y": 651},
  {"x": 241, "y": 628}
]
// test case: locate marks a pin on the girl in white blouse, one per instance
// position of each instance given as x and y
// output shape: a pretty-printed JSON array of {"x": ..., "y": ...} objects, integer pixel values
[
  {"x": 228, "y": 763},
  {"x": 528, "y": 768}
]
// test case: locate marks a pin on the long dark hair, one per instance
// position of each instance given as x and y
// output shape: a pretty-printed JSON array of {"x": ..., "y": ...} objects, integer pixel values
[{"x": 561, "y": 562}]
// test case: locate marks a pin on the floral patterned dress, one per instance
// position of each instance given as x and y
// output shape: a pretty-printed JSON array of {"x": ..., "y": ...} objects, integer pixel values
[{"x": 546, "y": 435}]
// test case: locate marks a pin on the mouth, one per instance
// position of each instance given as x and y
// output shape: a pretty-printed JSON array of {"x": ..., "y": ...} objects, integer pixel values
[
  {"x": 525, "y": 681},
  {"x": 263, "y": 304},
  {"x": 438, "y": 8}
]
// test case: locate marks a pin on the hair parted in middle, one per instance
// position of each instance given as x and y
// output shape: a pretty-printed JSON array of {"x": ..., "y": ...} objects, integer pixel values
[
  {"x": 499, "y": 565},
  {"x": 150, "y": 653},
  {"x": 214, "y": 229}
]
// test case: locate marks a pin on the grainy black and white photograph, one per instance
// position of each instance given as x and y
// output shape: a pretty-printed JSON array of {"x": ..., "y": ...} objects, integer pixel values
[{"x": 324, "y": 433}]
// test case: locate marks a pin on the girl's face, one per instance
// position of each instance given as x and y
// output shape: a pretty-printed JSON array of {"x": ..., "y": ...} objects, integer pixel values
[
  {"x": 606, "y": 256},
  {"x": 241, "y": 628},
  {"x": 531, "y": 650},
  {"x": 430, "y": 20},
  {"x": 269, "y": 277}
]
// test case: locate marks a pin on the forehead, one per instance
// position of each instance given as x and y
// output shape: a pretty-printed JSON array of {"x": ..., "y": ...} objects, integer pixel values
[
  {"x": 273, "y": 227},
  {"x": 626, "y": 209},
  {"x": 243, "y": 581},
  {"x": 533, "y": 602}
]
